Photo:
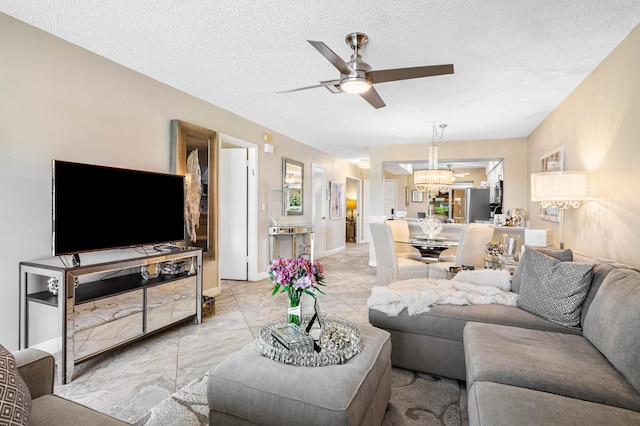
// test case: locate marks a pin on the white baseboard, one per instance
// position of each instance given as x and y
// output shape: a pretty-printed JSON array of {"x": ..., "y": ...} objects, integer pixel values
[
  {"x": 50, "y": 346},
  {"x": 262, "y": 276},
  {"x": 335, "y": 250}
]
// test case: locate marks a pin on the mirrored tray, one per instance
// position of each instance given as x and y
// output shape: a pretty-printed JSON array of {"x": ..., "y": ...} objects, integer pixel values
[{"x": 339, "y": 341}]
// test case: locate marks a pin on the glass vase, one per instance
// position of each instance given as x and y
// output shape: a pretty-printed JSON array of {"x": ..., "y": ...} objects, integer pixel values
[{"x": 294, "y": 312}]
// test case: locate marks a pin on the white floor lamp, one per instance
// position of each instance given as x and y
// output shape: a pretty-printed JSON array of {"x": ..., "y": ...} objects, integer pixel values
[{"x": 563, "y": 190}]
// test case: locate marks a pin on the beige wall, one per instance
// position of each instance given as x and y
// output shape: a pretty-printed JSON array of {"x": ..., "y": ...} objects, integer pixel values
[
  {"x": 599, "y": 123},
  {"x": 59, "y": 101}
]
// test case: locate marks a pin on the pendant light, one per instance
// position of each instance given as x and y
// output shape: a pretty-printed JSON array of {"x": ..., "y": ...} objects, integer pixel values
[{"x": 433, "y": 180}]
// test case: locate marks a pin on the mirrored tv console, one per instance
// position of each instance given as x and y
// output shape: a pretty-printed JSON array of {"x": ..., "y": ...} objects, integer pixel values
[{"x": 80, "y": 312}]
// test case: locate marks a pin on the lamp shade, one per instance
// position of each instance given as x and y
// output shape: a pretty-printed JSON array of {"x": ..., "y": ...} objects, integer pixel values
[
  {"x": 351, "y": 204},
  {"x": 432, "y": 182},
  {"x": 558, "y": 186}
]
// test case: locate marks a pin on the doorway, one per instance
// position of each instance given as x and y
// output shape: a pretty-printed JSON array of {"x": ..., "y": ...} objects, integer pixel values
[
  {"x": 353, "y": 193},
  {"x": 318, "y": 209},
  {"x": 238, "y": 207}
]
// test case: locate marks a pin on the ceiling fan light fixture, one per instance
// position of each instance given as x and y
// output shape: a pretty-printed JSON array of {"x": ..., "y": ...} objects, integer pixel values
[{"x": 355, "y": 84}]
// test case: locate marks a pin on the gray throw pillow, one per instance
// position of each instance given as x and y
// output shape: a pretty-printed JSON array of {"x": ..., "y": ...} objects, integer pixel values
[
  {"x": 15, "y": 399},
  {"x": 564, "y": 255},
  {"x": 552, "y": 289}
]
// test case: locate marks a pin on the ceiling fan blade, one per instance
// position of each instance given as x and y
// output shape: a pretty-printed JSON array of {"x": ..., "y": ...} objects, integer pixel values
[
  {"x": 322, "y": 84},
  {"x": 373, "y": 98},
  {"x": 336, "y": 60},
  {"x": 382, "y": 76}
]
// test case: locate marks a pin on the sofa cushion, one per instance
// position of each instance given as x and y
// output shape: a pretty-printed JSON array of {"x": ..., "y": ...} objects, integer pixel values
[
  {"x": 613, "y": 322},
  {"x": 602, "y": 268},
  {"x": 564, "y": 255},
  {"x": 15, "y": 399},
  {"x": 448, "y": 321},
  {"x": 559, "y": 363},
  {"x": 495, "y": 404},
  {"x": 553, "y": 289},
  {"x": 54, "y": 410}
]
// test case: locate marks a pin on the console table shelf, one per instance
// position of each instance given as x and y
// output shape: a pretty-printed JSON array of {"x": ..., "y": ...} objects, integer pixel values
[
  {"x": 92, "y": 304},
  {"x": 109, "y": 287},
  {"x": 44, "y": 297}
]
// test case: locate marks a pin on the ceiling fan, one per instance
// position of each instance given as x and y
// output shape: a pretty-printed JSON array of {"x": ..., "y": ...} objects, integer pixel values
[{"x": 357, "y": 77}]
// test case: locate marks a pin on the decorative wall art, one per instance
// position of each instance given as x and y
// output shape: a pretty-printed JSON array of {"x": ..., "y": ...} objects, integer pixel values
[
  {"x": 417, "y": 196},
  {"x": 193, "y": 195},
  {"x": 552, "y": 161},
  {"x": 336, "y": 206},
  {"x": 193, "y": 151}
]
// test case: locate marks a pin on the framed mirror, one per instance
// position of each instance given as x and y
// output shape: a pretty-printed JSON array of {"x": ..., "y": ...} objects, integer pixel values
[{"x": 292, "y": 185}]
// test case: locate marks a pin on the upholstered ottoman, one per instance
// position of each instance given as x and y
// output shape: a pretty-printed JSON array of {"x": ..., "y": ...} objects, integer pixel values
[{"x": 248, "y": 388}]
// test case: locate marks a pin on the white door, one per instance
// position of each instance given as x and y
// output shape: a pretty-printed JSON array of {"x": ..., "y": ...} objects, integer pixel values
[
  {"x": 319, "y": 202},
  {"x": 366, "y": 234},
  {"x": 390, "y": 197},
  {"x": 233, "y": 214}
]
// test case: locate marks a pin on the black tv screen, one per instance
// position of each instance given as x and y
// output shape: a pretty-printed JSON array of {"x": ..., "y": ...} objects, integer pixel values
[{"x": 99, "y": 208}]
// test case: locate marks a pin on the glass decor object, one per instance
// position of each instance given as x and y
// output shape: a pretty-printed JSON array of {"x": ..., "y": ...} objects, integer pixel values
[
  {"x": 293, "y": 338},
  {"x": 431, "y": 227},
  {"x": 294, "y": 311},
  {"x": 340, "y": 340},
  {"x": 53, "y": 286},
  {"x": 150, "y": 271},
  {"x": 511, "y": 247}
]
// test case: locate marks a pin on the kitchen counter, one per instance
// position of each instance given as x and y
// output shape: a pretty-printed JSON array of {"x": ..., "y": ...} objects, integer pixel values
[{"x": 527, "y": 236}]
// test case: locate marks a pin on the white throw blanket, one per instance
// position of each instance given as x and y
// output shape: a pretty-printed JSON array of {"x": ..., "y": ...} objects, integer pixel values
[{"x": 419, "y": 294}]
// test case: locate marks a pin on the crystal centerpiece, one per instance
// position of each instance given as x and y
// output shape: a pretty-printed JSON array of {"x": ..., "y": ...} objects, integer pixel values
[{"x": 431, "y": 227}]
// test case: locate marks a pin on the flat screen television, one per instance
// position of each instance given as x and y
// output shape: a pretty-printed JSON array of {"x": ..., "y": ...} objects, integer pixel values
[{"x": 99, "y": 208}]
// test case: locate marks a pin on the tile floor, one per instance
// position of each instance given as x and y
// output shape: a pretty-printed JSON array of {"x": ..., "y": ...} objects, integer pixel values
[{"x": 127, "y": 382}]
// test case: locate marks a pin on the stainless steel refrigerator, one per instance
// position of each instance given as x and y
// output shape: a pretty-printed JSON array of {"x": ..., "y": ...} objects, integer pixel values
[{"x": 475, "y": 205}]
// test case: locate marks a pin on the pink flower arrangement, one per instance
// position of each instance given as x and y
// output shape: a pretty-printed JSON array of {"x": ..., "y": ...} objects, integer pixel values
[{"x": 296, "y": 276}]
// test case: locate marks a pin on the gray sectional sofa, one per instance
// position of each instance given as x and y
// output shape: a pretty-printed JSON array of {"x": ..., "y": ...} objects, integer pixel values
[
  {"x": 39, "y": 405},
  {"x": 522, "y": 368}
]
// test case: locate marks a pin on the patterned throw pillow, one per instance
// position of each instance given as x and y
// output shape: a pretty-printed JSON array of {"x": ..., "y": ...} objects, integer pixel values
[
  {"x": 552, "y": 289},
  {"x": 15, "y": 399},
  {"x": 565, "y": 255}
]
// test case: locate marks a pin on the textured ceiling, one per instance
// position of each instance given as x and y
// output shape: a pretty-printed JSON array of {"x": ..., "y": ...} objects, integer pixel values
[{"x": 515, "y": 61}]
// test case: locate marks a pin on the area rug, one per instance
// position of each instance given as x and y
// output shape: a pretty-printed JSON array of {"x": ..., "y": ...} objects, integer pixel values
[{"x": 416, "y": 399}]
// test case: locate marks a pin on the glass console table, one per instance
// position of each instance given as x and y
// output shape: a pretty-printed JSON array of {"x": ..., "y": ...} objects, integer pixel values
[{"x": 291, "y": 232}]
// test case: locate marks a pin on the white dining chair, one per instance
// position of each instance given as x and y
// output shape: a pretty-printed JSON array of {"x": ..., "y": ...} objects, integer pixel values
[
  {"x": 470, "y": 251},
  {"x": 390, "y": 267},
  {"x": 400, "y": 232}
]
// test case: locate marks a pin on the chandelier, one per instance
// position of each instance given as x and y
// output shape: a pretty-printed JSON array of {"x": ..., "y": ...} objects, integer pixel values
[{"x": 433, "y": 180}]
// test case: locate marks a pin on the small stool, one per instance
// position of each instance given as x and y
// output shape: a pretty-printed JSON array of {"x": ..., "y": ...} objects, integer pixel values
[{"x": 248, "y": 388}]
